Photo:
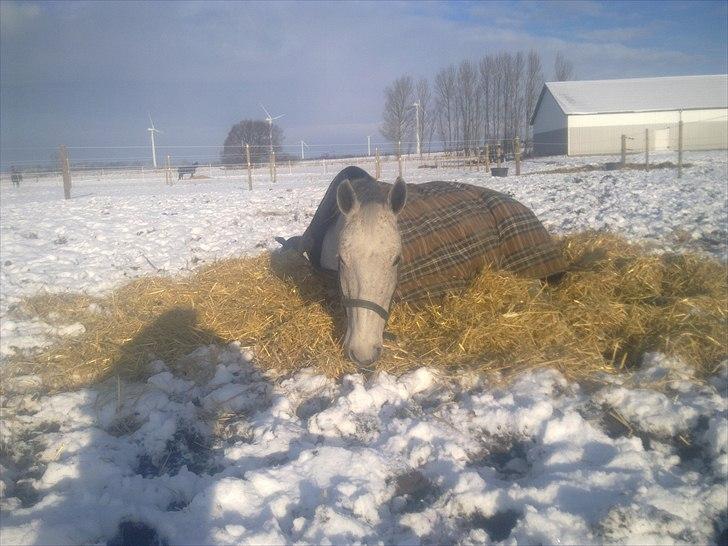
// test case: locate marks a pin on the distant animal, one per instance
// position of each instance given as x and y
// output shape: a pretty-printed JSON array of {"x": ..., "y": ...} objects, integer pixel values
[
  {"x": 16, "y": 177},
  {"x": 186, "y": 169},
  {"x": 415, "y": 241}
]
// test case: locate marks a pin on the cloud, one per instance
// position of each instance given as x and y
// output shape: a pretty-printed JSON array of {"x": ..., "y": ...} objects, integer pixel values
[
  {"x": 14, "y": 16},
  {"x": 200, "y": 66},
  {"x": 617, "y": 34}
]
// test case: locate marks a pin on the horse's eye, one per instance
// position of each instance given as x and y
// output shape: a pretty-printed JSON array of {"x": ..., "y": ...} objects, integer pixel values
[{"x": 397, "y": 260}]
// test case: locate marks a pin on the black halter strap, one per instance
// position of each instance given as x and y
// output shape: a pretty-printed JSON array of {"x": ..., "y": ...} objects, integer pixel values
[{"x": 366, "y": 304}]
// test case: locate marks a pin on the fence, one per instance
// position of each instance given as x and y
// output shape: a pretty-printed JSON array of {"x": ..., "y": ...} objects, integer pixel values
[{"x": 476, "y": 156}]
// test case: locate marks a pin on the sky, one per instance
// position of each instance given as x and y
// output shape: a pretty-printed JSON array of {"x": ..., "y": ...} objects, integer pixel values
[{"x": 88, "y": 74}]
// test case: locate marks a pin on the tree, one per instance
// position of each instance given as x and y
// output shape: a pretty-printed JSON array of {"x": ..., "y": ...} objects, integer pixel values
[
  {"x": 563, "y": 68},
  {"x": 426, "y": 115},
  {"x": 255, "y": 133},
  {"x": 445, "y": 82},
  {"x": 467, "y": 104},
  {"x": 398, "y": 117},
  {"x": 532, "y": 85}
]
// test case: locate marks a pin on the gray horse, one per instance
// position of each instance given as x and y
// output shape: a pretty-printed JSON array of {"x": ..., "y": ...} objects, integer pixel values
[{"x": 415, "y": 241}]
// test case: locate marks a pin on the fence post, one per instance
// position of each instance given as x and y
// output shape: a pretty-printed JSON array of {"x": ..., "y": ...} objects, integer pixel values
[
  {"x": 679, "y": 146},
  {"x": 250, "y": 173},
  {"x": 273, "y": 166},
  {"x": 324, "y": 165},
  {"x": 498, "y": 154},
  {"x": 378, "y": 168},
  {"x": 167, "y": 172},
  {"x": 647, "y": 149},
  {"x": 624, "y": 150},
  {"x": 487, "y": 157},
  {"x": 517, "y": 152},
  {"x": 66, "y": 167}
]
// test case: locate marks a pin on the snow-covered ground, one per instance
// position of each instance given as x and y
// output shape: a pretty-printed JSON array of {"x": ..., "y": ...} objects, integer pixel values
[{"x": 248, "y": 457}]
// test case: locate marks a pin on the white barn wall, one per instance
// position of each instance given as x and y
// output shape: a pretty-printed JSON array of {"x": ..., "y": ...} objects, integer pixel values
[{"x": 591, "y": 134}]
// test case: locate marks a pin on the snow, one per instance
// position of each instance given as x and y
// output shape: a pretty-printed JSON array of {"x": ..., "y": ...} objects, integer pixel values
[
  {"x": 241, "y": 455},
  {"x": 641, "y": 94}
]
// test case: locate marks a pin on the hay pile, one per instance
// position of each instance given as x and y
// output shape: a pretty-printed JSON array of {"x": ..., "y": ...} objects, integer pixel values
[{"x": 618, "y": 302}]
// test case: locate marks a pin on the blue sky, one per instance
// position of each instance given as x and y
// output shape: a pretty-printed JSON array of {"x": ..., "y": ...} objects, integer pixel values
[{"x": 86, "y": 73}]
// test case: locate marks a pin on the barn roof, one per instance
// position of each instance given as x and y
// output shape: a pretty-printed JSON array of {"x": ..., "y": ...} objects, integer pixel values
[{"x": 638, "y": 94}]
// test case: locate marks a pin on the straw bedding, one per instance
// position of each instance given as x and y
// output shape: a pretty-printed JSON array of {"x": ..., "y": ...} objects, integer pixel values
[{"x": 616, "y": 302}]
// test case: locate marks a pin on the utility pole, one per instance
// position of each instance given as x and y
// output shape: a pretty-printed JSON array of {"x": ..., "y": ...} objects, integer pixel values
[{"x": 417, "y": 120}]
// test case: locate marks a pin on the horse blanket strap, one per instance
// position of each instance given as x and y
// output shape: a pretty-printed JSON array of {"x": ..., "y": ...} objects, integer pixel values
[{"x": 366, "y": 304}]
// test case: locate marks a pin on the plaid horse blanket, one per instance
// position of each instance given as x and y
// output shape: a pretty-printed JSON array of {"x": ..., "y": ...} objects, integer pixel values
[{"x": 450, "y": 231}]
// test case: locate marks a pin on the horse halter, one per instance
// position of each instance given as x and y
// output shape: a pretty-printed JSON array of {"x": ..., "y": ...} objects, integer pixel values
[{"x": 364, "y": 304}]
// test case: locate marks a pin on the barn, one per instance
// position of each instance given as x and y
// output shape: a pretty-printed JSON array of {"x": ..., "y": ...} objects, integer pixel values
[{"x": 590, "y": 117}]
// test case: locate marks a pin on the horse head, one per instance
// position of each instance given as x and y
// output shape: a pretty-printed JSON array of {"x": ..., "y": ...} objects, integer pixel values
[{"x": 369, "y": 253}]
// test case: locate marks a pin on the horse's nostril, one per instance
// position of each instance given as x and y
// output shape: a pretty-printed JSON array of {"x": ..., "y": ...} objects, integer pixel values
[{"x": 376, "y": 353}]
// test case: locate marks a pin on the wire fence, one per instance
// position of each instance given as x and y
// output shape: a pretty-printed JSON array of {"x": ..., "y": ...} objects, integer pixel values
[{"x": 175, "y": 162}]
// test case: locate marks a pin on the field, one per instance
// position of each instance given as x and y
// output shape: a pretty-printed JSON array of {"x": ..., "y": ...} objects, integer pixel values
[{"x": 248, "y": 455}]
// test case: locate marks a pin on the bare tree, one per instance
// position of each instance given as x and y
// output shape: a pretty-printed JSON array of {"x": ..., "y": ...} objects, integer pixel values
[
  {"x": 427, "y": 120},
  {"x": 398, "y": 117},
  {"x": 467, "y": 104},
  {"x": 485, "y": 95},
  {"x": 445, "y": 82},
  {"x": 563, "y": 68},
  {"x": 255, "y": 133},
  {"x": 532, "y": 87}
]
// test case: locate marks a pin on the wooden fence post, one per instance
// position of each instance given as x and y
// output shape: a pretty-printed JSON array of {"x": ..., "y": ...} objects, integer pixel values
[
  {"x": 647, "y": 149},
  {"x": 487, "y": 157},
  {"x": 624, "y": 150},
  {"x": 273, "y": 166},
  {"x": 680, "y": 147},
  {"x": 66, "y": 168},
  {"x": 517, "y": 152},
  {"x": 498, "y": 154},
  {"x": 250, "y": 172},
  {"x": 167, "y": 171},
  {"x": 378, "y": 168}
]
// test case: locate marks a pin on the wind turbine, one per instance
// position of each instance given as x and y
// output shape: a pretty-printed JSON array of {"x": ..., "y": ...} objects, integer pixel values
[
  {"x": 302, "y": 145},
  {"x": 153, "y": 130},
  {"x": 270, "y": 120}
]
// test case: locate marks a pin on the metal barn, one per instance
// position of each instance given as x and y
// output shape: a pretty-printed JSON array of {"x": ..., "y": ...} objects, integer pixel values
[{"x": 590, "y": 117}]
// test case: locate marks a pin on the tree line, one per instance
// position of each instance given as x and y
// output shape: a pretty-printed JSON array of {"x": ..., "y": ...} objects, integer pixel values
[{"x": 470, "y": 103}]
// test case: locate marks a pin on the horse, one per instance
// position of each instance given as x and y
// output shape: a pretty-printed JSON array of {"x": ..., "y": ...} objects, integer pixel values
[
  {"x": 186, "y": 169},
  {"x": 16, "y": 177},
  {"x": 407, "y": 242}
]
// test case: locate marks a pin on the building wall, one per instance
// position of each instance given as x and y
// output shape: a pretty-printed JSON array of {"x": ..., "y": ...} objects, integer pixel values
[
  {"x": 549, "y": 128},
  {"x": 591, "y": 134}
]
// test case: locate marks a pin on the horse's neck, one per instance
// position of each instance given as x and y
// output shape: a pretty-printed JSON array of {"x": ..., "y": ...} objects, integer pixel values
[{"x": 330, "y": 246}]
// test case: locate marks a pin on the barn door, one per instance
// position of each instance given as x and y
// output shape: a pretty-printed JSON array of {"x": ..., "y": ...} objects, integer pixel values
[{"x": 661, "y": 139}]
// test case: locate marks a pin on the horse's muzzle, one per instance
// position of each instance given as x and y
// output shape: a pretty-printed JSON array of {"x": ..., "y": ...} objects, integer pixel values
[{"x": 364, "y": 361}]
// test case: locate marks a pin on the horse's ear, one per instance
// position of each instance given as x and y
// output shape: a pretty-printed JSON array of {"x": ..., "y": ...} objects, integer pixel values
[
  {"x": 346, "y": 198},
  {"x": 398, "y": 196}
]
